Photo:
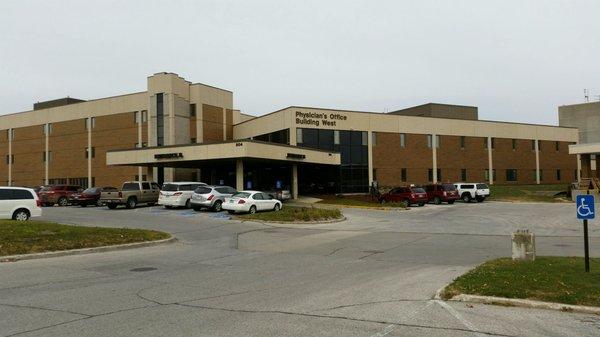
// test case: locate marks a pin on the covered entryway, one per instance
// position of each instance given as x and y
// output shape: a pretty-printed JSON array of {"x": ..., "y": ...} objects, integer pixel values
[{"x": 243, "y": 164}]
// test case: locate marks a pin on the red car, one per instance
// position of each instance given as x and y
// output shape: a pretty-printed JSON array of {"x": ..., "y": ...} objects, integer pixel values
[
  {"x": 90, "y": 196},
  {"x": 439, "y": 193},
  {"x": 57, "y": 194},
  {"x": 408, "y": 195}
]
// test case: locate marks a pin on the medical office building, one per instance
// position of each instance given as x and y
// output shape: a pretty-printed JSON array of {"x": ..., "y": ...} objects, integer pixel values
[{"x": 177, "y": 130}]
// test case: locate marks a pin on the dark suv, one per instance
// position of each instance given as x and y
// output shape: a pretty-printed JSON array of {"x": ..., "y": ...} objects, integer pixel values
[
  {"x": 408, "y": 195},
  {"x": 439, "y": 193},
  {"x": 57, "y": 194},
  {"x": 90, "y": 196}
]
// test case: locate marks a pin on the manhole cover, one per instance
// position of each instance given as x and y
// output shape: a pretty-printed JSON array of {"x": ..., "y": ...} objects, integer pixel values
[{"x": 140, "y": 269}]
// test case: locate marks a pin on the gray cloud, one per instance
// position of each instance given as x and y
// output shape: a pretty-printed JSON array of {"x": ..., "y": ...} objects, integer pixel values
[{"x": 516, "y": 60}]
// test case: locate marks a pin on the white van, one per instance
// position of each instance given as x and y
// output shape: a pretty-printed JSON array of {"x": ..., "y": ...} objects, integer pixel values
[
  {"x": 19, "y": 203},
  {"x": 177, "y": 194}
]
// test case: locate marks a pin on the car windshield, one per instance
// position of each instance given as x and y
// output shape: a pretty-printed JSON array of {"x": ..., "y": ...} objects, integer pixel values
[
  {"x": 417, "y": 190},
  {"x": 482, "y": 186},
  {"x": 202, "y": 190},
  {"x": 241, "y": 195},
  {"x": 91, "y": 190},
  {"x": 170, "y": 187},
  {"x": 448, "y": 187}
]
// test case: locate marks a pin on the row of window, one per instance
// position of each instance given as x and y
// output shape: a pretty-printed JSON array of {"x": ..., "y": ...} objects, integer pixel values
[
  {"x": 438, "y": 141},
  {"x": 48, "y": 156},
  {"x": 511, "y": 175}
]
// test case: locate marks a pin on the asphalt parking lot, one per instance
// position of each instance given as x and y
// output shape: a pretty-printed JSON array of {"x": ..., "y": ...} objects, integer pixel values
[{"x": 371, "y": 275}]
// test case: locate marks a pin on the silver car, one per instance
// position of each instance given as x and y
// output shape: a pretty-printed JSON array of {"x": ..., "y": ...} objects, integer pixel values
[{"x": 211, "y": 197}]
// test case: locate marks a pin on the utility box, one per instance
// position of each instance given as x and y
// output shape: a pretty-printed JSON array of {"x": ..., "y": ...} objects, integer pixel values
[{"x": 523, "y": 245}]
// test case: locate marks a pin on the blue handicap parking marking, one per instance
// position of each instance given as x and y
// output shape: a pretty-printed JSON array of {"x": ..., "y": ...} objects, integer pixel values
[{"x": 585, "y": 207}]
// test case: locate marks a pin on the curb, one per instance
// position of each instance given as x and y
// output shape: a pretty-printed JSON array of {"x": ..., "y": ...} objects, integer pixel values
[
  {"x": 81, "y": 251},
  {"x": 343, "y": 218},
  {"x": 515, "y": 302},
  {"x": 378, "y": 208}
]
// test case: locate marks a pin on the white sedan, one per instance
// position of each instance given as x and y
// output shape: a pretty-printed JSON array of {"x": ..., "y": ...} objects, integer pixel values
[{"x": 251, "y": 202}]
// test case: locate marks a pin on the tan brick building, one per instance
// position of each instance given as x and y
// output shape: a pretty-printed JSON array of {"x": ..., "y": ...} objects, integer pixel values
[{"x": 178, "y": 130}]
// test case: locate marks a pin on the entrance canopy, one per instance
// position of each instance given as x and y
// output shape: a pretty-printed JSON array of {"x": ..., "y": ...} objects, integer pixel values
[{"x": 190, "y": 155}]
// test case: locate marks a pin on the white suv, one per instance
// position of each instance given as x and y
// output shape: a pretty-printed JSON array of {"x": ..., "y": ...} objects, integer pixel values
[
  {"x": 177, "y": 194},
  {"x": 19, "y": 203},
  {"x": 470, "y": 191}
]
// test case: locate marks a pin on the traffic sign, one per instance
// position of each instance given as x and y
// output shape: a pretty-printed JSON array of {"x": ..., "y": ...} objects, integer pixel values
[{"x": 585, "y": 207}]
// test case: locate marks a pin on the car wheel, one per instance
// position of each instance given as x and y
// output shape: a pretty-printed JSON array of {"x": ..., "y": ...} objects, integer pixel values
[
  {"x": 62, "y": 201},
  {"x": 406, "y": 203},
  {"x": 111, "y": 206},
  {"x": 218, "y": 206},
  {"x": 480, "y": 199},
  {"x": 188, "y": 203},
  {"x": 437, "y": 200},
  {"x": 252, "y": 209},
  {"x": 277, "y": 207},
  {"x": 466, "y": 197},
  {"x": 21, "y": 215},
  {"x": 168, "y": 206},
  {"x": 131, "y": 203},
  {"x": 421, "y": 204},
  {"x": 99, "y": 203},
  {"x": 450, "y": 202},
  {"x": 83, "y": 204}
]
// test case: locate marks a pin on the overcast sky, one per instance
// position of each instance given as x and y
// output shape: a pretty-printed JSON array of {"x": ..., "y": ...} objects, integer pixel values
[{"x": 515, "y": 60}]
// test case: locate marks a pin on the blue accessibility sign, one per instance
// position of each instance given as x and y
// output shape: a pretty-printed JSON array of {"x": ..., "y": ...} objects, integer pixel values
[{"x": 585, "y": 207}]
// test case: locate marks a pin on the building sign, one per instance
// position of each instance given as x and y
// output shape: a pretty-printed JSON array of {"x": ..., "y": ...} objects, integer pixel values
[
  {"x": 296, "y": 156},
  {"x": 174, "y": 155},
  {"x": 319, "y": 118}
]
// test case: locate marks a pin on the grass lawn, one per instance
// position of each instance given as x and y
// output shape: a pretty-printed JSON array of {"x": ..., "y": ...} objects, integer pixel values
[
  {"x": 35, "y": 236},
  {"x": 355, "y": 200},
  {"x": 541, "y": 193},
  {"x": 292, "y": 213},
  {"x": 550, "y": 279}
]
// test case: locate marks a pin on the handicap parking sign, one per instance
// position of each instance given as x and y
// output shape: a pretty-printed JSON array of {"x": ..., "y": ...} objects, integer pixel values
[{"x": 585, "y": 207}]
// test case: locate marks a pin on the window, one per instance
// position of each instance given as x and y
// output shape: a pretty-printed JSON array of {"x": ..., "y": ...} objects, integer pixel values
[
  {"x": 46, "y": 157},
  {"x": 145, "y": 186},
  {"x": 374, "y": 138},
  {"x": 557, "y": 146},
  {"x": 299, "y": 139},
  {"x": 193, "y": 110},
  {"x": 511, "y": 175},
  {"x": 193, "y": 140},
  {"x": 160, "y": 120},
  {"x": 535, "y": 175},
  {"x": 375, "y": 174},
  {"x": 533, "y": 145},
  {"x": 402, "y": 140},
  {"x": 514, "y": 144},
  {"x": 11, "y": 134},
  {"x": 137, "y": 177},
  {"x": 403, "y": 175},
  {"x": 463, "y": 174},
  {"x": 438, "y": 141},
  {"x": 10, "y": 159},
  {"x": 93, "y": 152},
  {"x": 558, "y": 177},
  {"x": 257, "y": 196},
  {"x": 430, "y": 175},
  {"x": 430, "y": 140},
  {"x": 429, "y": 143},
  {"x": 136, "y": 117},
  {"x": 364, "y": 137},
  {"x": 462, "y": 142},
  {"x": 47, "y": 128},
  {"x": 336, "y": 137},
  {"x": 485, "y": 143},
  {"x": 493, "y": 140},
  {"x": 14, "y": 194},
  {"x": 487, "y": 175},
  {"x": 90, "y": 123}
]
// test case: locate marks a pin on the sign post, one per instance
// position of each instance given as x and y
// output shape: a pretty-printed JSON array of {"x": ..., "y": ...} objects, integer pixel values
[{"x": 585, "y": 212}]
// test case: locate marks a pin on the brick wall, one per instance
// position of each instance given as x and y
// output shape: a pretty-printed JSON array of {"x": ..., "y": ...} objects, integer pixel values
[
  {"x": 28, "y": 147},
  {"x": 212, "y": 123}
]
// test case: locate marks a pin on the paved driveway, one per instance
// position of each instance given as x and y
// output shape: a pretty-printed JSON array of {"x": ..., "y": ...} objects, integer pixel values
[{"x": 372, "y": 275}]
